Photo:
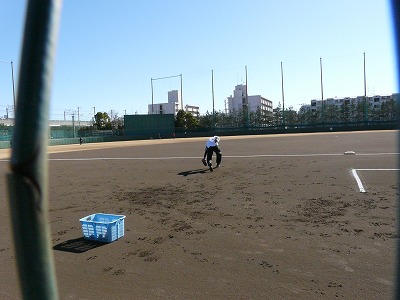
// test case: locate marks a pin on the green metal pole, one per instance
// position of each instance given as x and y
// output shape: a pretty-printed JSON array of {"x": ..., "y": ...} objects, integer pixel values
[{"x": 28, "y": 179}]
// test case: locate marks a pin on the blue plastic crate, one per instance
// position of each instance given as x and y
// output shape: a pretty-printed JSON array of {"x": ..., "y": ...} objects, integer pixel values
[{"x": 103, "y": 227}]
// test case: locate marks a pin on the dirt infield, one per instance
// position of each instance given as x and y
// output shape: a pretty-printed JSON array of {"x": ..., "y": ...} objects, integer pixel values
[{"x": 283, "y": 218}]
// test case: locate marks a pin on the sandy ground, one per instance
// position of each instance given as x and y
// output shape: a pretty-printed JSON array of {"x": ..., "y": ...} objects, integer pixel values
[{"x": 283, "y": 218}]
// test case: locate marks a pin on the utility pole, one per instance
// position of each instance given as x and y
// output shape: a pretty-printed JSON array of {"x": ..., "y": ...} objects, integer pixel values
[
  {"x": 152, "y": 96},
  {"x": 283, "y": 97},
  {"x": 247, "y": 101},
  {"x": 181, "y": 92},
  {"x": 79, "y": 122},
  {"x": 12, "y": 78},
  {"x": 94, "y": 116},
  {"x": 212, "y": 89},
  {"x": 73, "y": 124},
  {"x": 322, "y": 89},
  {"x": 365, "y": 94}
]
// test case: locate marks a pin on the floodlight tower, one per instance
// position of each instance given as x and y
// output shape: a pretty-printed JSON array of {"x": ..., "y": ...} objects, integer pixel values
[
  {"x": 212, "y": 90},
  {"x": 322, "y": 90},
  {"x": 12, "y": 79},
  {"x": 283, "y": 97}
]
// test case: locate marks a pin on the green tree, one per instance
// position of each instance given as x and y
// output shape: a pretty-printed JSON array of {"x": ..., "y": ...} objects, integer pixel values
[
  {"x": 102, "y": 121},
  {"x": 388, "y": 110},
  {"x": 186, "y": 120},
  {"x": 345, "y": 112},
  {"x": 290, "y": 117},
  {"x": 180, "y": 120},
  {"x": 331, "y": 113},
  {"x": 191, "y": 121},
  {"x": 206, "y": 120},
  {"x": 359, "y": 111},
  {"x": 117, "y": 122},
  {"x": 278, "y": 117}
]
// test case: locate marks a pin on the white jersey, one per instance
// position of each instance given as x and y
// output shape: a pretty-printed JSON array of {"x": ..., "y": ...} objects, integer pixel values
[{"x": 212, "y": 142}]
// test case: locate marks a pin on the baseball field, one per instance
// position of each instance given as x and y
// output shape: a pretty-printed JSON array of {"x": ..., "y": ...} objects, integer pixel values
[{"x": 304, "y": 216}]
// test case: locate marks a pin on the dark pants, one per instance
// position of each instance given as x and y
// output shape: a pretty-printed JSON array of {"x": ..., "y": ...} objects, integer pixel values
[{"x": 210, "y": 151}]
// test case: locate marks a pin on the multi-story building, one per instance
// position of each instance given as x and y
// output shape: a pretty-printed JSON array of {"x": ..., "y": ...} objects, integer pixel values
[
  {"x": 194, "y": 110},
  {"x": 374, "y": 101},
  {"x": 255, "y": 102},
  {"x": 172, "y": 106}
]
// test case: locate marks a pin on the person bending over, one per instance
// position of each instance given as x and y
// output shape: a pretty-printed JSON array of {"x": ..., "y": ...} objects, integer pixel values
[{"x": 212, "y": 146}]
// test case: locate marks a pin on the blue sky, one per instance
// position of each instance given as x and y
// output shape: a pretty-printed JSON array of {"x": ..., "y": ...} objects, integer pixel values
[{"x": 108, "y": 51}]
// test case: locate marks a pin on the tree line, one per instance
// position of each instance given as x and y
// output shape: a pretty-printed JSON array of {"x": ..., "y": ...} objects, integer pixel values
[{"x": 348, "y": 112}]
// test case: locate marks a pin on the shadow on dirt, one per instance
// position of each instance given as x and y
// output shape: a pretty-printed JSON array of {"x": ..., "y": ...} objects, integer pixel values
[
  {"x": 79, "y": 245},
  {"x": 193, "y": 172}
]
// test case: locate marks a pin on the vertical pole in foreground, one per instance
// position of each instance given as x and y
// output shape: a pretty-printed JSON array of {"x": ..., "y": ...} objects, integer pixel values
[
  {"x": 396, "y": 18},
  {"x": 28, "y": 179}
]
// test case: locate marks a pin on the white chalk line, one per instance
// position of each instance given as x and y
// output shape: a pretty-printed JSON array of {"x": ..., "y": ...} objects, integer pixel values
[
  {"x": 191, "y": 157},
  {"x": 358, "y": 180},
  {"x": 225, "y": 156}
]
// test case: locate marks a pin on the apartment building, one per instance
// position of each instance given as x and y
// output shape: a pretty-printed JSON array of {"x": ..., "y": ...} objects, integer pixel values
[
  {"x": 239, "y": 101},
  {"x": 375, "y": 101},
  {"x": 173, "y": 105}
]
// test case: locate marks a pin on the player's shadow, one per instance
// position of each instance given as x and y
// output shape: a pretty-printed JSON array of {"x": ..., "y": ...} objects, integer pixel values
[
  {"x": 79, "y": 245},
  {"x": 193, "y": 172}
]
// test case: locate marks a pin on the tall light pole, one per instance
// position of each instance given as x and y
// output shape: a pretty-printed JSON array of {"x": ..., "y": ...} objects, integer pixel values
[
  {"x": 283, "y": 97},
  {"x": 94, "y": 116},
  {"x": 12, "y": 78},
  {"x": 152, "y": 96},
  {"x": 79, "y": 121},
  {"x": 365, "y": 80},
  {"x": 212, "y": 90},
  {"x": 322, "y": 88},
  {"x": 365, "y": 94},
  {"x": 181, "y": 91},
  {"x": 247, "y": 100}
]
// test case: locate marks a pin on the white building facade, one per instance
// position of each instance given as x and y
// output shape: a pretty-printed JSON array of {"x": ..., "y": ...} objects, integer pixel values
[
  {"x": 192, "y": 109},
  {"x": 173, "y": 105},
  {"x": 375, "y": 101},
  {"x": 238, "y": 101}
]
